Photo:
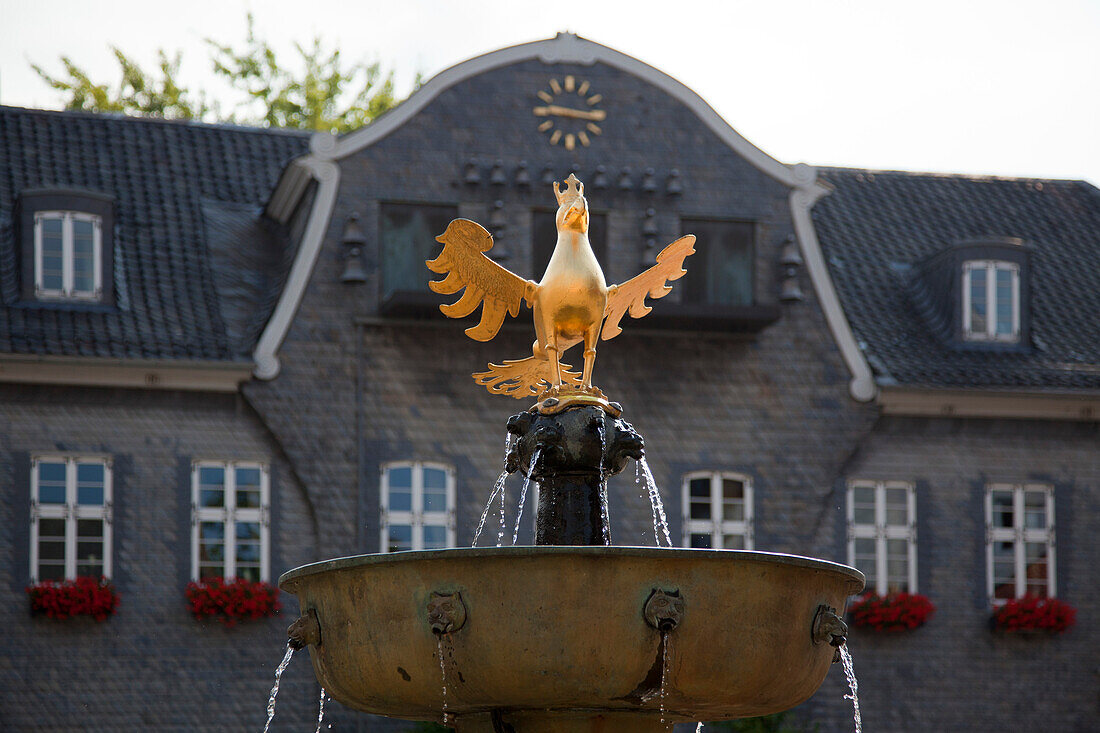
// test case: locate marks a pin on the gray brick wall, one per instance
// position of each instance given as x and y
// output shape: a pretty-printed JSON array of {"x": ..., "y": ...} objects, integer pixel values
[
  {"x": 954, "y": 673},
  {"x": 151, "y": 666}
]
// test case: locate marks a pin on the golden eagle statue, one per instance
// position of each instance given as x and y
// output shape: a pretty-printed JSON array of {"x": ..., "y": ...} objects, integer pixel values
[{"x": 572, "y": 303}]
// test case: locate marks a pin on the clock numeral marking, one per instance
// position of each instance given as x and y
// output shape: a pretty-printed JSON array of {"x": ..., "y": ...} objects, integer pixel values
[
  {"x": 570, "y": 141},
  {"x": 570, "y": 83},
  {"x": 546, "y": 125},
  {"x": 555, "y": 86},
  {"x": 583, "y": 88},
  {"x": 544, "y": 96},
  {"x": 555, "y": 137},
  {"x": 583, "y": 138},
  {"x": 594, "y": 99},
  {"x": 593, "y": 128}
]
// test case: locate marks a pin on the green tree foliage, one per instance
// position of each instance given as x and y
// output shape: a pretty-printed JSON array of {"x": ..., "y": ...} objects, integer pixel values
[
  {"x": 320, "y": 92},
  {"x": 138, "y": 92}
]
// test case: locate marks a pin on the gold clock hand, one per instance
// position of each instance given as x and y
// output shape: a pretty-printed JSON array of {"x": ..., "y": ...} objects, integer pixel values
[{"x": 596, "y": 115}]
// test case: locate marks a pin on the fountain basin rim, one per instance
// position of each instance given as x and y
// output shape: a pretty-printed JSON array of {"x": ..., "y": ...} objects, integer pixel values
[{"x": 289, "y": 580}]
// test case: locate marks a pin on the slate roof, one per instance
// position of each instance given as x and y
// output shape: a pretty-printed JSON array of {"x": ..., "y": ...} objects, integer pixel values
[
  {"x": 195, "y": 264},
  {"x": 876, "y": 225}
]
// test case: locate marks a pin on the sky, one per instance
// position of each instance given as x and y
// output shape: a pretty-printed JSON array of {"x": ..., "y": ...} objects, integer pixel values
[{"x": 965, "y": 86}]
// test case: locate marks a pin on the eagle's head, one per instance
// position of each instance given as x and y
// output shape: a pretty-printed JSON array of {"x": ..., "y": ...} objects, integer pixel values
[{"x": 572, "y": 206}]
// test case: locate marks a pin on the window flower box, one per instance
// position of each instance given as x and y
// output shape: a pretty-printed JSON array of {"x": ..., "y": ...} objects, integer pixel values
[
  {"x": 891, "y": 612},
  {"x": 84, "y": 596},
  {"x": 232, "y": 601},
  {"x": 1029, "y": 614}
]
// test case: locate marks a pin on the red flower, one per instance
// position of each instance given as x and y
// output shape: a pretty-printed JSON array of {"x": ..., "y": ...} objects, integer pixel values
[
  {"x": 232, "y": 601},
  {"x": 892, "y": 612},
  {"x": 85, "y": 596},
  {"x": 1031, "y": 613}
]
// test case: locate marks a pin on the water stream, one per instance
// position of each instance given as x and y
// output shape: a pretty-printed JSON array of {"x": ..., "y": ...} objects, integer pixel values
[
  {"x": 523, "y": 494},
  {"x": 660, "y": 521},
  {"x": 498, "y": 487},
  {"x": 664, "y": 673},
  {"x": 443, "y": 674},
  {"x": 850, "y": 673},
  {"x": 275, "y": 688},
  {"x": 321, "y": 712},
  {"x": 605, "y": 509}
]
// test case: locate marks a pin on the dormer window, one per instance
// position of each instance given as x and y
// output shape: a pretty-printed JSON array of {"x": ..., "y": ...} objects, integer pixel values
[
  {"x": 68, "y": 257},
  {"x": 67, "y": 247},
  {"x": 991, "y": 300}
]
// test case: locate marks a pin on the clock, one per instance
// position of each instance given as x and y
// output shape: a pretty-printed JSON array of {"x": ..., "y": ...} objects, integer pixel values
[{"x": 571, "y": 112}]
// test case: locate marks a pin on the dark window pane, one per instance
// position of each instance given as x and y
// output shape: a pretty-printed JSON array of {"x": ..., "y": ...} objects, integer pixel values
[
  {"x": 248, "y": 553},
  {"x": 212, "y": 531},
  {"x": 51, "y": 527},
  {"x": 248, "y": 531},
  {"x": 248, "y": 488},
  {"x": 211, "y": 571},
  {"x": 546, "y": 237},
  {"x": 701, "y": 541},
  {"x": 87, "y": 528},
  {"x": 89, "y": 551},
  {"x": 699, "y": 488},
  {"x": 249, "y": 573},
  {"x": 211, "y": 553},
  {"x": 51, "y": 483},
  {"x": 51, "y": 571},
  {"x": 90, "y": 480},
  {"x": 434, "y": 537},
  {"x": 733, "y": 542},
  {"x": 400, "y": 494},
  {"x": 435, "y": 490},
  {"x": 977, "y": 301},
  {"x": 1002, "y": 508},
  {"x": 721, "y": 270},
  {"x": 212, "y": 486},
  {"x": 408, "y": 240},
  {"x": 700, "y": 510},
  {"x": 400, "y": 537},
  {"x": 51, "y": 550}
]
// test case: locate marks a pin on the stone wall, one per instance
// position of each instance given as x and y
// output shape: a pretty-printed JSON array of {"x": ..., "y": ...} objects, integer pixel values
[{"x": 151, "y": 666}]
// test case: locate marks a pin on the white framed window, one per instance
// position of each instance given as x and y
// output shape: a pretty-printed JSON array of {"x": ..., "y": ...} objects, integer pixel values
[
  {"x": 230, "y": 520},
  {"x": 1019, "y": 541},
  {"x": 68, "y": 255},
  {"x": 70, "y": 517},
  {"x": 882, "y": 534},
  {"x": 718, "y": 511},
  {"x": 418, "y": 506},
  {"x": 991, "y": 300}
]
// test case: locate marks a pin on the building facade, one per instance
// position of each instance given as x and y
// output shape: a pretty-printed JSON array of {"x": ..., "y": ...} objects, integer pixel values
[{"x": 884, "y": 369}]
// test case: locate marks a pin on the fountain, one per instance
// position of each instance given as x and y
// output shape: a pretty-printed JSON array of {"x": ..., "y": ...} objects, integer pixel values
[{"x": 571, "y": 634}]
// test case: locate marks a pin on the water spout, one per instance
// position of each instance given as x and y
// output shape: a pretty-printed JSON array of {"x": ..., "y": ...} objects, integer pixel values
[
  {"x": 523, "y": 495},
  {"x": 321, "y": 712},
  {"x": 850, "y": 673},
  {"x": 275, "y": 688},
  {"x": 660, "y": 521}
]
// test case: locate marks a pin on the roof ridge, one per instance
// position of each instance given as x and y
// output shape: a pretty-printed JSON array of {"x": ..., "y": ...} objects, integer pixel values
[
  {"x": 226, "y": 126},
  {"x": 940, "y": 174}
]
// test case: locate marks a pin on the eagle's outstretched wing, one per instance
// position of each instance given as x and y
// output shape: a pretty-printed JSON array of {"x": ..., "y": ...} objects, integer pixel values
[
  {"x": 496, "y": 289},
  {"x": 630, "y": 296}
]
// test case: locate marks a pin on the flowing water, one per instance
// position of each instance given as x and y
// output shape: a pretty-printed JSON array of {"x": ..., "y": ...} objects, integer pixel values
[
  {"x": 699, "y": 728},
  {"x": 664, "y": 672},
  {"x": 523, "y": 495},
  {"x": 498, "y": 487},
  {"x": 503, "y": 526},
  {"x": 443, "y": 674},
  {"x": 660, "y": 521},
  {"x": 275, "y": 688},
  {"x": 605, "y": 509},
  {"x": 321, "y": 712},
  {"x": 850, "y": 673}
]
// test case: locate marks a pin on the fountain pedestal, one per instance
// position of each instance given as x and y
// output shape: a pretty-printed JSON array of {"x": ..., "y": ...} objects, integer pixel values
[{"x": 570, "y": 454}]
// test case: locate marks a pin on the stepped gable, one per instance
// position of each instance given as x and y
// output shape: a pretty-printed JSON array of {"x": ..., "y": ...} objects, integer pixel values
[
  {"x": 194, "y": 260},
  {"x": 875, "y": 227}
]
